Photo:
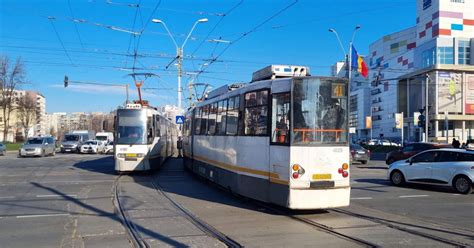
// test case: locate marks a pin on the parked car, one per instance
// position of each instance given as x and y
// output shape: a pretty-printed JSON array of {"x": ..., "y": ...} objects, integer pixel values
[
  {"x": 109, "y": 148},
  {"x": 38, "y": 146},
  {"x": 359, "y": 154},
  {"x": 446, "y": 166},
  {"x": 412, "y": 149},
  {"x": 3, "y": 149},
  {"x": 92, "y": 146}
]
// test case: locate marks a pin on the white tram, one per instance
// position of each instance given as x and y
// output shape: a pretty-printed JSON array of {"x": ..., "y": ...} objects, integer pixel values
[
  {"x": 283, "y": 141},
  {"x": 143, "y": 138}
]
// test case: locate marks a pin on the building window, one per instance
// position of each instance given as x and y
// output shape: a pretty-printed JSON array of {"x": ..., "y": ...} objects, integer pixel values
[
  {"x": 428, "y": 57},
  {"x": 353, "y": 103},
  {"x": 445, "y": 55},
  {"x": 464, "y": 53}
]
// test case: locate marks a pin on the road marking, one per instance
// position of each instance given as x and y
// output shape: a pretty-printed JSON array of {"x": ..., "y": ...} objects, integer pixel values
[
  {"x": 44, "y": 196},
  {"x": 7, "y": 197},
  {"x": 40, "y": 215},
  {"x": 362, "y": 198},
  {"x": 412, "y": 196}
]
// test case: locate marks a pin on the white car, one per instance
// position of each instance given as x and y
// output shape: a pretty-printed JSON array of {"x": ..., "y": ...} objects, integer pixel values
[
  {"x": 109, "y": 148},
  {"x": 447, "y": 166},
  {"x": 92, "y": 146}
]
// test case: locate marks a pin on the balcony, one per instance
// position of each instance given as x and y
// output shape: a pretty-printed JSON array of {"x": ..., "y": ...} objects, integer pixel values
[{"x": 375, "y": 91}]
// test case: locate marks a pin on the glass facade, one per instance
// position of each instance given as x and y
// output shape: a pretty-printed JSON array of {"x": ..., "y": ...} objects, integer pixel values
[
  {"x": 445, "y": 55},
  {"x": 464, "y": 52},
  {"x": 428, "y": 57}
]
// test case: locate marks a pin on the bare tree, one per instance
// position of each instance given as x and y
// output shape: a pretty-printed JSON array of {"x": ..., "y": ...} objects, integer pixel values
[
  {"x": 53, "y": 133},
  {"x": 10, "y": 79},
  {"x": 26, "y": 112}
]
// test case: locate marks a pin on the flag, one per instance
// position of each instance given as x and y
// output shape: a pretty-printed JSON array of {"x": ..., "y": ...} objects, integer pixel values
[{"x": 358, "y": 63}]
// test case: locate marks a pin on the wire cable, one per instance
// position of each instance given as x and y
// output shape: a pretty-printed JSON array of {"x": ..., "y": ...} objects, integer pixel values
[{"x": 60, "y": 40}]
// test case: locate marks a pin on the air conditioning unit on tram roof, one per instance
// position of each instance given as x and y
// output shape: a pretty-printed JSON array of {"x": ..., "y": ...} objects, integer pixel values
[
  {"x": 224, "y": 89},
  {"x": 280, "y": 71}
]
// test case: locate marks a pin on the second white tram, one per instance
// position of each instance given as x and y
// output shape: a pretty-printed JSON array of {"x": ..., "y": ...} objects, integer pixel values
[
  {"x": 144, "y": 139},
  {"x": 283, "y": 141}
]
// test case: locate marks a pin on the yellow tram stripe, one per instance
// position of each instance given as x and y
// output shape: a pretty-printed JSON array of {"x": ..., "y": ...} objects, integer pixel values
[{"x": 274, "y": 177}]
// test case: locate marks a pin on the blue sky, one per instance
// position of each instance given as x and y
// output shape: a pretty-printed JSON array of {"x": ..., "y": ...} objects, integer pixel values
[{"x": 95, "y": 53}]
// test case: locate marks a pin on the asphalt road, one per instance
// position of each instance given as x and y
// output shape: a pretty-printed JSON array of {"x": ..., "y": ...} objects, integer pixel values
[{"x": 66, "y": 201}]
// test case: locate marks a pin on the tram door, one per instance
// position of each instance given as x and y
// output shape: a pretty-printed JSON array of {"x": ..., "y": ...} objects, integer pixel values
[{"x": 279, "y": 145}]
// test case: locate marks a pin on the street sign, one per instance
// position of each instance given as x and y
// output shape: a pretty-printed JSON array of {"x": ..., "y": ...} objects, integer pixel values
[{"x": 179, "y": 119}]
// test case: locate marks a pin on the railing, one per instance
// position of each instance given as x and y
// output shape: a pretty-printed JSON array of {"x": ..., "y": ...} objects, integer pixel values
[{"x": 306, "y": 131}]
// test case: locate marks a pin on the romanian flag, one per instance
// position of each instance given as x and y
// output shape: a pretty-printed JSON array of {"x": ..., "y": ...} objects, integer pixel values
[{"x": 359, "y": 64}]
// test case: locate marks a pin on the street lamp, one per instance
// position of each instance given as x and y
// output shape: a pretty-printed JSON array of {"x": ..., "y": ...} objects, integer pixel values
[
  {"x": 348, "y": 58},
  {"x": 179, "y": 53}
]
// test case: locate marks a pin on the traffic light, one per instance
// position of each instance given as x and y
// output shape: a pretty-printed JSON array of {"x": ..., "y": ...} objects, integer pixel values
[
  {"x": 66, "y": 81},
  {"x": 421, "y": 121}
]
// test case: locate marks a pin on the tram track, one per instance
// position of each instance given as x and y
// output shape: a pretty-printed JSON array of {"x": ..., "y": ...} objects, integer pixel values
[
  {"x": 137, "y": 240},
  {"x": 360, "y": 241},
  {"x": 318, "y": 226},
  {"x": 202, "y": 225},
  {"x": 389, "y": 223}
]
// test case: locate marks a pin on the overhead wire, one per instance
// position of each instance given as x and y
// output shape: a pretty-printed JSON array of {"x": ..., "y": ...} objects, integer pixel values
[
  {"x": 75, "y": 24},
  {"x": 60, "y": 40}
]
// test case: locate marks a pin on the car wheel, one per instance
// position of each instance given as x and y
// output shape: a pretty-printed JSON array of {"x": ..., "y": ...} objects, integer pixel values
[
  {"x": 364, "y": 161},
  {"x": 42, "y": 153},
  {"x": 397, "y": 178},
  {"x": 4, "y": 153},
  {"x": 462, "y": 184},
  {"x": 53, "y": 153}
]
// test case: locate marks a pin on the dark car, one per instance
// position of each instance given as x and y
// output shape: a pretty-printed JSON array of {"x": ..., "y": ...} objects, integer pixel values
[
  {"x": 412, "y": 149},
  {"x": 360, "y": 154}
]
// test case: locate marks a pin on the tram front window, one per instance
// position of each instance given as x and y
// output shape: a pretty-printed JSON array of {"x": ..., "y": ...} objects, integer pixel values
[
  {"x": 131, "y": 127},
  {"x": 319, "y": 111}
]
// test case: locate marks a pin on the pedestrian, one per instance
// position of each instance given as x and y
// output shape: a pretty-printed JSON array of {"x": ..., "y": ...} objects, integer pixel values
[
  {"x": 455, "y": 143},
  {"x": 179, "y": 145}
]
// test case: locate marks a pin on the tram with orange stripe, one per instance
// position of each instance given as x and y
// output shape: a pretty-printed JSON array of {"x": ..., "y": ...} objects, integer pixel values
[{"x": 281, "y": 139}]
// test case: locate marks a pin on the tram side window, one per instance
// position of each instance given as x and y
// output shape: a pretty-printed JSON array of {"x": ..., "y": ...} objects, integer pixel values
[
  {"x": 232, "y": 118},
  {"x": 150, "y": 131},
  {"x": 197, "y": 121},
  {"x": 204, "y": 117},
  {"x": 221, "y": 117},
  {"x": 281, "y": 118},
  {"x": 256, "y": 113},
  {"x": 157, "y": 126},
  {"x": 212, "y": 118}
]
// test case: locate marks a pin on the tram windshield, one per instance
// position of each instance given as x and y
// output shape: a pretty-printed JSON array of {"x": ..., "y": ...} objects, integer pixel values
[
  {"x": 319, "y": 111},
  {"x": 131, "y": 126}
]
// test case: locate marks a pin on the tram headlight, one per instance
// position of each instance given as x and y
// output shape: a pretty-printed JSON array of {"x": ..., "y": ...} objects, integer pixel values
[{"x": 120, "y": 155}]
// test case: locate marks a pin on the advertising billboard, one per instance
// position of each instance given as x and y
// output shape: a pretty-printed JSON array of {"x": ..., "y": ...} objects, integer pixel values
[
  {"x": 469, "y": 89},
  {"x": 449, "y": 92}
]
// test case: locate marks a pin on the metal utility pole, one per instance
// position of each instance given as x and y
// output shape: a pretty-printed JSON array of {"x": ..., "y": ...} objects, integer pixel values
[
  {"x": 348, "y": 58},
  {"x": 427, "y": 114},
  {"x": 179, "y": 55}
]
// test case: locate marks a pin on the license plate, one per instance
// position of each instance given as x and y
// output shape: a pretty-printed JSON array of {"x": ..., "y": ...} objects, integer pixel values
[
  {"x": 360, "y": 152},
  {"x": 68, "y": 150},
  {"x": 321, "y": 176},
  {"x": 131, "y": 155}
]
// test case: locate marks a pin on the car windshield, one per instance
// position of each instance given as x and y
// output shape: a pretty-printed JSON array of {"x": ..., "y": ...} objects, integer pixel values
[
  {"x": 91, "y": 143},
  {"x": 34, "y": 141},
  {"x": 319, "y": 111},
  {"x": 71, "y": 138},
  {"x": 101, "y": 138}
]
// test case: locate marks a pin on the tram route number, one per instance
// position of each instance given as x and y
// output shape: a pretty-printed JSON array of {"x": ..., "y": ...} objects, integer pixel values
[{"x": 338, "y": 90}]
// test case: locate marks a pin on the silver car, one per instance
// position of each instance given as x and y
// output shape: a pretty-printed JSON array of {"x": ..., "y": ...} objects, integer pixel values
[
  {"x": 38, "y": 146},
  {"x": 3, "y": 149}
]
